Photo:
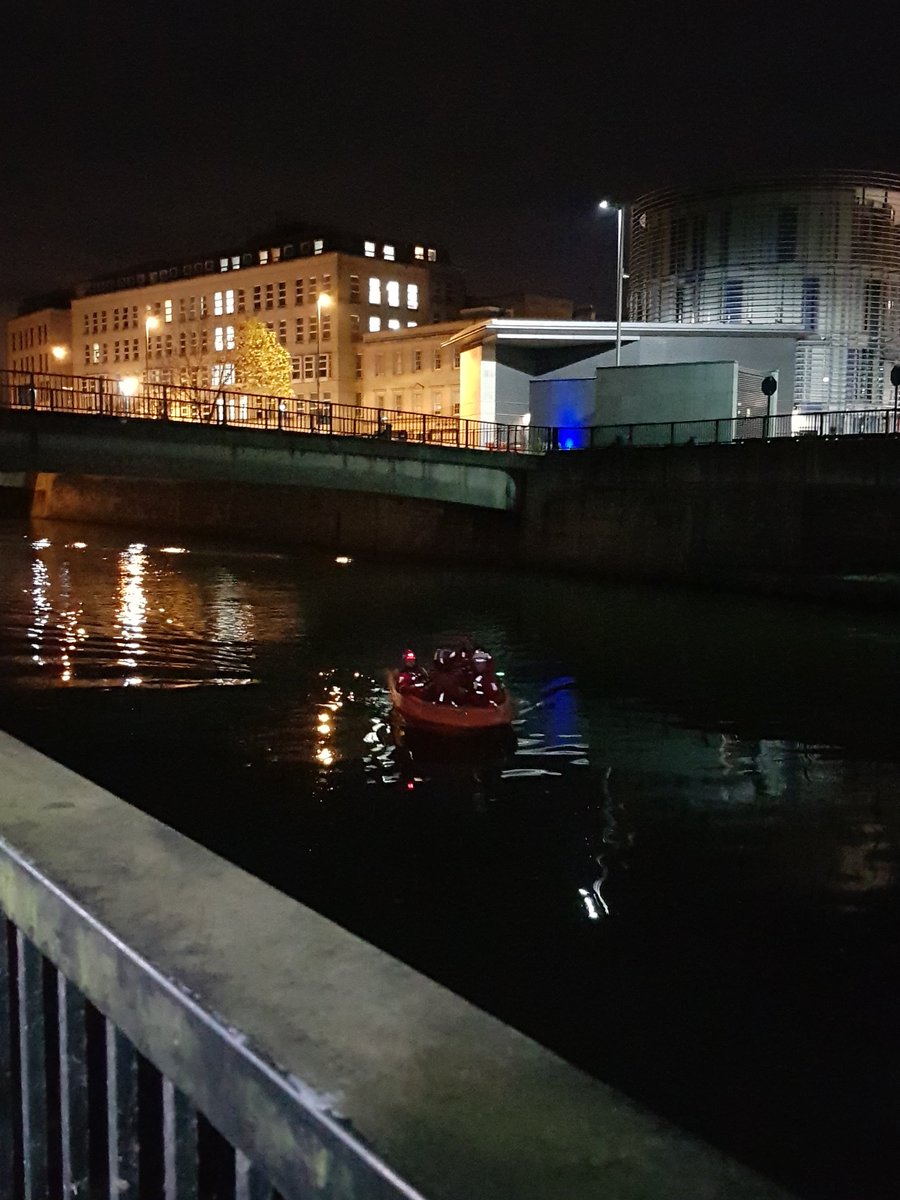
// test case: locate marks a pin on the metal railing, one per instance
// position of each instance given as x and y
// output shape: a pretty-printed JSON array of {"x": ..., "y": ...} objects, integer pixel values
[
  {"x": 96, "y": 396},
  {"x": 832, "y": 424},
  {"x": 171, "y": 1028}
]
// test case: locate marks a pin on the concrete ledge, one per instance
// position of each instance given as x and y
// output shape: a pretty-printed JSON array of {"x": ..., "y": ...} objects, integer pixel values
[
  {"x": 161, "y": 450},
  {"x": 326, "y": 1061}
]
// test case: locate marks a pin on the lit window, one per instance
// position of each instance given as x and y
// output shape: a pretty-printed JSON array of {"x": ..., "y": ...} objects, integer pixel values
[
  {"x": 432, "y": 255},
  {"x": 374, "y": 291},
  {"x": 393, "y": 293},
  {"x": 229, "y": 301},
  {"x": 223, "y": 264},
  {"x": 412, "y": 295},
  {"x": 218, "y": 303},
  {"x": 318, "y": 246},
  {"x": 275, "y": 253},
  {"x": 167, "y": 307},
  {"x": 235, "y": 262},
  {"x": 374, "y": 324},
  {"x": 419, "y": 252},
  {"x": 263, "y": 257},
  {"x": 222, "y": 373},
  {"x": 95, "y": 352},
  {"x": 219, "y": 338},
  {"x": 393, "y": 324},
  {"x": 411, "y": 324},
  {"x": 389, "y": 253},
  {"x": 369, "y": 248}
]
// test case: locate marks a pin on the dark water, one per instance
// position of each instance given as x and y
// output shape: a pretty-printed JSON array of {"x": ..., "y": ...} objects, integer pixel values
[{"x": 682, "y": 877}]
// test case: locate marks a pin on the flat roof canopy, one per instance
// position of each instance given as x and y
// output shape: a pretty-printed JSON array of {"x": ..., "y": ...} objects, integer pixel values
[{"x": 540, "y": 346}]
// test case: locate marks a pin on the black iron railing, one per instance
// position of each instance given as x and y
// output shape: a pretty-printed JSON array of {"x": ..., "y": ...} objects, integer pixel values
[{"x": 94, "y": 396}]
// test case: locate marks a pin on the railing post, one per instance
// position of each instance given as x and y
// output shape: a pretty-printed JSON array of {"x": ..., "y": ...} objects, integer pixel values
[
  {"x": 98, "y": 397},
  {"x": 424, "y": 429},
  {"x": 73, "y": 1095},
  {"x": 165, "y": 401},
  {"x": 179, "y": 1121},
  {"x": 33, "y": 1085},
  {"x": 7, "y": 1141},
  {"x": 121, "y": 1112},
  {"x": 671, "y": 433}
]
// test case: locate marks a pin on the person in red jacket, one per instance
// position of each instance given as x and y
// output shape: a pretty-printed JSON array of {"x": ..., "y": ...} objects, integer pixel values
[{"x": 411, "y": 677}]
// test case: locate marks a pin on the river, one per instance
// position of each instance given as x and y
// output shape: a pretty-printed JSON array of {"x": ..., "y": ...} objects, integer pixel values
[{"x": 681, "y": 873}]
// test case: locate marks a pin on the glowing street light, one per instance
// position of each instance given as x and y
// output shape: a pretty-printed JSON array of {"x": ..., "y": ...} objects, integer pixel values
[
  {"x": 129, "y": 385},
  {"x": 59, "y": 353},
  {"x": 620, "y": 267},
  {"x": 324, "y": 301}
]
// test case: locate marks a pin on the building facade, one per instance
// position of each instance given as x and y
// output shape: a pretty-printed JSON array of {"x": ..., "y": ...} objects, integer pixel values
[
  {"x": 822, "y": 253},
  {"x": 317, "y": 291},
  {"x": 412, "y": 370},
  {"x": 40, "y": 341}
]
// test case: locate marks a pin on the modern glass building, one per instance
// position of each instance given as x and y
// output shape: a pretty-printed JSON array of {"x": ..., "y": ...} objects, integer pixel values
[{"x": 818, "y": 251}]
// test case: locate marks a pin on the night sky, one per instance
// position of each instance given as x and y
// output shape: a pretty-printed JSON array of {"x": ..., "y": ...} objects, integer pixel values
[{"x": 138, "y": 131}]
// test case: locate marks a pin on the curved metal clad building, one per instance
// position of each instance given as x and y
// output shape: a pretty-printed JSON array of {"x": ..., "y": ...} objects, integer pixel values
[{"x": 821, "y": 252}]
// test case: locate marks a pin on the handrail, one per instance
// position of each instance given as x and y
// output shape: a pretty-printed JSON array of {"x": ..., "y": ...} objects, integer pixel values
[
  {"x": 98, "y": 396},
  {"x": 152, "y": 994}
]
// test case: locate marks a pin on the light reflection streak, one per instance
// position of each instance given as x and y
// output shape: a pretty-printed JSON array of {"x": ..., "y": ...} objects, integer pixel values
[
  {"x": 131, "y": 611},
  {"x": 41, "y": 608}
]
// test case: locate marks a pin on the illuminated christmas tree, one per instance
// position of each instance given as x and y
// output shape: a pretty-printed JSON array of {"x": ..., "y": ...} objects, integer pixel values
[{"x": 262, "y": 366}]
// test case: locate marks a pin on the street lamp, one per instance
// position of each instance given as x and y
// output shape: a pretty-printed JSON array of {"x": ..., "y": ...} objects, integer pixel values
[
  {"x": 620, "y": 267},
  {"x": 59, "y": 353},
  {"x": 324, "y": 301},
  {"x": 150, "y": 323}
]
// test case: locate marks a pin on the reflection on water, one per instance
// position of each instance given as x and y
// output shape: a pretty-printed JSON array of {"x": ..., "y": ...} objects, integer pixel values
[
  {"x": 131, "y": 607},
  {"x": 692, "y": 830}
]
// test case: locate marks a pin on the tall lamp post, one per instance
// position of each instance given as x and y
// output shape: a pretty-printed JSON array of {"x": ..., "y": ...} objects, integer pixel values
[
  {"x": 150, "y": 323},
  {"x": 620, "y": 267},
  {"x": 323, "y": 301}
]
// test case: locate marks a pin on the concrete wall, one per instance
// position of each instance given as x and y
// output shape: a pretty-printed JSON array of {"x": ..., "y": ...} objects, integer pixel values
[
  {"x": 699, "y": 391},
  {"x": 353, "y": 522},
  {"x": 160, "y": 450},
  {"x": 771, "y": 515}
]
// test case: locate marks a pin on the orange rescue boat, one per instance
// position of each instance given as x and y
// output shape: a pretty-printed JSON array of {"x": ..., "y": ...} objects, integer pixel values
[{"x": 449, "y": 718}]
